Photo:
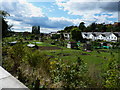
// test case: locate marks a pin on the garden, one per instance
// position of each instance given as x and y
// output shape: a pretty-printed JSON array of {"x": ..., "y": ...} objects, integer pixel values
[{"x": 55, "y": 66}]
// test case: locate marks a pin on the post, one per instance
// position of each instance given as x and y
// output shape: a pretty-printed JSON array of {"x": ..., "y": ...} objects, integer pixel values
[{"x": 0, "y": 41}]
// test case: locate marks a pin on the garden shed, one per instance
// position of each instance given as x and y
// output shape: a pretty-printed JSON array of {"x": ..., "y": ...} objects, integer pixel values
[{"x": 72, "y": 45}]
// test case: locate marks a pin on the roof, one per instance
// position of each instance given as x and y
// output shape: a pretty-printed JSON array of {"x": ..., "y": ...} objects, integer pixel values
[
  {"x": 30, "y": 45},
  {"x": 13, "y": 42},
  {"x": 8, "y": 81},
  {"x": 102, "y": 33},
  {"x": 117, "y": 34}
]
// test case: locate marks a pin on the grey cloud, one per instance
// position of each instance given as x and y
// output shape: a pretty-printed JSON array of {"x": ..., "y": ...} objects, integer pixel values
[
  {"x": 44, "y": 22},
  {"x": 105, "y": 6},
  {"x": 109, "y": 6}
]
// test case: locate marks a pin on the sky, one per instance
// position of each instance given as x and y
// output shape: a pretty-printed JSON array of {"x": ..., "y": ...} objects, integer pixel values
[{"x": 54, "y": 15}]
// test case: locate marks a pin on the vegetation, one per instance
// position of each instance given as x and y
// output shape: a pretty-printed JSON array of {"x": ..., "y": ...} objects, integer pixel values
[
  {"x": 94, "y": 27},
  {"x": 66, "y": 68},
  {"x": 36, "y": 30},
  {"x": 6, "y": 29},
  {"x": 75, "y": 33}
]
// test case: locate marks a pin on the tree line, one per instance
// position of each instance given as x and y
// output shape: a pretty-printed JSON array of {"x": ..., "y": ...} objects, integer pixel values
[{"x": 94, "y": 27}]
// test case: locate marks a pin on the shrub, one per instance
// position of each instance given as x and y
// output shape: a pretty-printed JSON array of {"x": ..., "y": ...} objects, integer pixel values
[{"x": 71, "y": 76}]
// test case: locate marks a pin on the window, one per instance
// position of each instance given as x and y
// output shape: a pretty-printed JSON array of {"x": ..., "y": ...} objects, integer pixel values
[{"x": 65, "y": 34}]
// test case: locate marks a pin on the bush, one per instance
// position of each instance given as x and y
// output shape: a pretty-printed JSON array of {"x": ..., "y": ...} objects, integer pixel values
[{"x": 71, "y": 76}]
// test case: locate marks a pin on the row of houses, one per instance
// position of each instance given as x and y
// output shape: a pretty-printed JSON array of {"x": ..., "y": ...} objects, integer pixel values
[{"x": 106, "y": 36}]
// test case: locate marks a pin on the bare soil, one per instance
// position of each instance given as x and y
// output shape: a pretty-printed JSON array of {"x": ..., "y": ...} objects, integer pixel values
[{"x": 48, "y": 48}]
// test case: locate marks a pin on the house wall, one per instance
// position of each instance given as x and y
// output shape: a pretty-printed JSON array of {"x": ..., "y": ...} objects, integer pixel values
[
  {"x": 84, "y": 36},
  {"x": 110, "y": 37},
  {"x": 91, "y": 36},
  {"x": 100, "y": 37},
  {"x": 66, "y": 36}
]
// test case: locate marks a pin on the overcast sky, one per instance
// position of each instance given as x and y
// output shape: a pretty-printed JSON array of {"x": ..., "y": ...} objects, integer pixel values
[{"x": 53, "y": 15}]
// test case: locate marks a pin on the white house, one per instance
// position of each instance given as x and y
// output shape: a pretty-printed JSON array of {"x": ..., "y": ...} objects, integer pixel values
[
  {"x": 66, "y": 36},
  {"x": 107, "y": 36},
  {"x": 87, "y": 35},
  {"x": 100, "y": 37},
  {"x": 91, "y": 36},
  {"x": 113, "y": 37}
]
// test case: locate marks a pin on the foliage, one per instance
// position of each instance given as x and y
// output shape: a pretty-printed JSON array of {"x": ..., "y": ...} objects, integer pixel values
[
  {"x": 60, "y": 66},
  {"x": 36, "y": 30},
  {"x": 5, "y": 27},
  {"x": 70, "y": 75},
  {"x": 76, "y": 34},
  {"x": 4, "y": 13},
  {"x": 82, "y": 26},
  {"x": 39, "y": 63},
  {"x": 55, "y": 36},
  {"x": 69, "y": 28},
  {"x": 112, "y": 74},
  {"x": 14, "y": 56}
]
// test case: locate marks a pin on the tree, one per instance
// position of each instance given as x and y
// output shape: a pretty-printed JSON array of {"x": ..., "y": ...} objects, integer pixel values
[
  {"x": 93, "y": 26},
  {"x": 101, "y": 27},
  {"x": 82, "y": 26},
  {"x": 76, "y": 34},
  {"x": 5, "y": 27},
  {"x": 4, "y": 13},
  {"x": 55, "y": 36},
  {"x": 109, "y": 28},
  {"x": 4, "y": 23},
  {"x": 68, "y": 29},
  {"x": 36, "y": 30}
]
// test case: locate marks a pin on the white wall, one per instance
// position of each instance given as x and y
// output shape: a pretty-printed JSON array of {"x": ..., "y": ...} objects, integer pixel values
[{"x": 113, "y": 37}]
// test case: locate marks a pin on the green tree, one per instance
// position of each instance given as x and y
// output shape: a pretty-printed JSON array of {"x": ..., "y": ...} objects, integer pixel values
[
  {"x": 109, "y": 28},
  {"x": 36, "y": 30},
  {"x": 93, "y": 26},
  {"x": 68, "y": 29},
  {"x": 55, "y": 36},
  {"x": 6, "y": 29},
  {"x": 82, "y": 26},
  {"x": 76, "y": 34},
  {"x": 101, "y": 27}
]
